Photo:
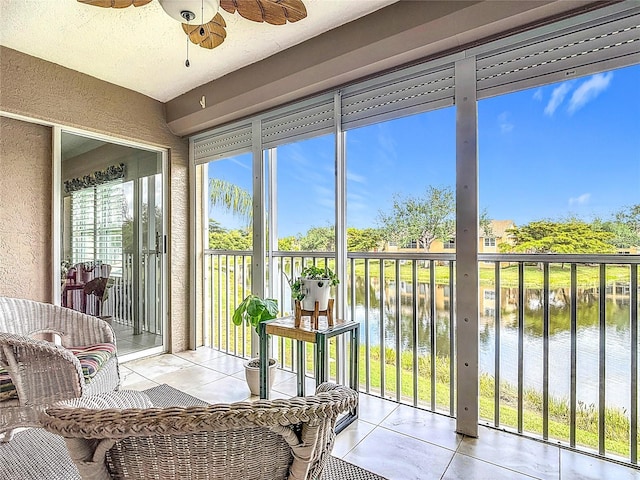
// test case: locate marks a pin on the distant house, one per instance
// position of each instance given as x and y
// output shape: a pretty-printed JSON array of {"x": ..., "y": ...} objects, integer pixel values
[
  {"x": 486, "y": 243},
  {"x": 497, "y": 235}
]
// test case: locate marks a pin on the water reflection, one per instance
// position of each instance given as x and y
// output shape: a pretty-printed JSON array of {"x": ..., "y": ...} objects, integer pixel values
[{"x": 616, "y": 340}]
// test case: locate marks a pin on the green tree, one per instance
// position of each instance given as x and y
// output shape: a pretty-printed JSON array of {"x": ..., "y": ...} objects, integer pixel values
[
  {"x": 230, "y": 240},
  {"x": 319, "y": 239},
  {"x": 289, "y": 244},
  {"x": 630, "y": 216},
  {"x": 421, "y": 219},
  {"x": 624, "y": 236},
  {"x": 546, "y": 236},
  {"x": 363, "y": 240},
  {"x": 215, "y": 227}
]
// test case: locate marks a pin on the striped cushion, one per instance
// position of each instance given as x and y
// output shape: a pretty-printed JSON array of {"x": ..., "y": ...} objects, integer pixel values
[{"x": 91, "y": 357}]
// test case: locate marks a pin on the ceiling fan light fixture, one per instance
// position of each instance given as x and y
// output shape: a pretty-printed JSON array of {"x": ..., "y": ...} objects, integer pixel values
[{"x": 196, "y": 12}]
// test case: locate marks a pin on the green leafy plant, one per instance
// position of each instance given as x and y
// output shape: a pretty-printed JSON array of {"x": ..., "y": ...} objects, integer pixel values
[
  {"x": 254, "y": 310},
  {"x": 312, "y": 272}
]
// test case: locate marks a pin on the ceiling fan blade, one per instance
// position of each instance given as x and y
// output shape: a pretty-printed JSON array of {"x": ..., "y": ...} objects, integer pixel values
[
  {"x": 115, "y": 3},
  {"x": 214, "y": 32},
  {"x": 274, "y": 12}
]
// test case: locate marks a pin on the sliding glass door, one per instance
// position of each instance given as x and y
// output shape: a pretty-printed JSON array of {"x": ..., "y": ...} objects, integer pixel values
[{"x": 113, "y": 238}]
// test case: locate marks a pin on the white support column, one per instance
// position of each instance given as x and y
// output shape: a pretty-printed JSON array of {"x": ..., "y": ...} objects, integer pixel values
[
  {"x": 195, "y": 265},
  {"x": 340, "y": 232},
  {"x": 259, "y": 225},
  {"x": 466, "y": 317}
]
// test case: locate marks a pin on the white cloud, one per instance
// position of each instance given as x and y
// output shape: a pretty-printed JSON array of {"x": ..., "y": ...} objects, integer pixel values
[
  {"x": 557, "y": 97},
  {"x": 581, "y": 200},
  {"x": 537, "y": 95},
  {"x": 505, "y": 125},
  {"x": 589, "y": 90},
  {"x": 354, "y": 177}
]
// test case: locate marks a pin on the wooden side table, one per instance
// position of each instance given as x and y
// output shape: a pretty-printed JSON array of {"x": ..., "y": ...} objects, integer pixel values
[{"x": 285, "y": 327}]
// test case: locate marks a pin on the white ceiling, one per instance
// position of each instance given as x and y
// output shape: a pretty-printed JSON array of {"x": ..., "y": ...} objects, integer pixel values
[{"x": 143, "y": 49}]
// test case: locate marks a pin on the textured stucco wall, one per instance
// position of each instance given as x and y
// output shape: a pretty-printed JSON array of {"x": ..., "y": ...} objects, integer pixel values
[
  {"x": 25, "y": 210},
  {"x": 42, "y": 90}
]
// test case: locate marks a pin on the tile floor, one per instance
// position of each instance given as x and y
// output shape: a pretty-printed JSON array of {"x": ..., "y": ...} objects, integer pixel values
[
  {"x": 395, "y": 441},
  {"x": 130, "y": 343}
]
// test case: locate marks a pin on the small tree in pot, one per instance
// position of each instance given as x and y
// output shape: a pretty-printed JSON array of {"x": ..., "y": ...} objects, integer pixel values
[{"x": 254, "y": 310}]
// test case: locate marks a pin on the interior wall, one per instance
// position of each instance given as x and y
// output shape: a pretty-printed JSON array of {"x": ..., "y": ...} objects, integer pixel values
[
  {"x": 44, "y": 91},
  {"x": 25, "y": 210}
]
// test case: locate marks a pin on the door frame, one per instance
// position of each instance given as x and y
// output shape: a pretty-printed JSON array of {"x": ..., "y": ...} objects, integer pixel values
[{"x": 56, "y": 218}]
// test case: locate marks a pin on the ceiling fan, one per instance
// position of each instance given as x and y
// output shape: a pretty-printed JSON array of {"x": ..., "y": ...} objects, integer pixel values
[{"x": 205, "y": 26}]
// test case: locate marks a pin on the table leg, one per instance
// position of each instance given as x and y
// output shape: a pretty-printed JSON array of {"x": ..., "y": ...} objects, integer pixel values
[
  {"x": 321, "y": 359},
  {"x": 301, "y": 367},
  {"x": 264, "y": 361}
]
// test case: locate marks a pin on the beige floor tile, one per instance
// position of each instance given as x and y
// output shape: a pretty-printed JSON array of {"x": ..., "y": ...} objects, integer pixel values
[
  {"x": 575, "y": 466},
  {"x": 129, "y": 378},
  {"x": 290, "y": 386},
  {"x": 201, "y": 355},
  {"x": 226, "y": 364},
  {"x": 513, "y": 452},
  {"x": 374, "y": 409},
  {"x": 225, "y": 390},
  {"x": 423, "y": 425},
  {"x": 189, "y": 377},
  {"x": 151, "y": 367},
  {"x": 142, "y": 384},
  {"x": 399, "y": 457},
  {"x": 469, "y": 468},
  {"x": 350, "y": 437}
]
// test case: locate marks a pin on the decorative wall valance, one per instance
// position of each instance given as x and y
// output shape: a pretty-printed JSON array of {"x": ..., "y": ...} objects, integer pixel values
[{"x": 110, "y": 173}]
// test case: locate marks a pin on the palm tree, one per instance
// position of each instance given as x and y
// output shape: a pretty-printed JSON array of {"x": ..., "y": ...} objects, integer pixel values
[{"x": 231, "y": 197}]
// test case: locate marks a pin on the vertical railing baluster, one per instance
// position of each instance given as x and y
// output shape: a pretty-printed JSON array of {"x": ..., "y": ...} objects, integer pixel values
[
  {"x": 352, "y": 285},
  {"x": 574, "y": 354},
  {"x": 602, "y": 359},
  {"x": 381, "y": 333},
  {"x": 545, "y": 352},
  {"x": 634, "y": 363},
  {"x": 219, "y": 300},
  {"x": 242, "y": 284},
  {"x": 227, "y": 318},
  {"x": 496, "y": 348},
  {"x": 235, "y": 300},
  {"x": 452, "y": 340},
  {"x": 432, "y": 330},
  {"x": 367, "y": 339},
  {"x": 414, "y": 327},
  {"x": 520, "y": 346},
  {"x": 398, "y": 333}
]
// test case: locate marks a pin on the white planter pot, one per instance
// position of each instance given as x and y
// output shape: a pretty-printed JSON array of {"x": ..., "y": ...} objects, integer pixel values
[
  {"x": 315, "y": 291},
  {"x": 252, "y": 374}
]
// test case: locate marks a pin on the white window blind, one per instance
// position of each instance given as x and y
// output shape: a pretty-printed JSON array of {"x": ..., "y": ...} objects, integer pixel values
[
  {"x": 96, "y": 224},
  {"x": 224, "y": 142},
  {"x": 568, "y": 50},
  {"x": 311, "y": 118},
  {"x": 414, "y": 90}
]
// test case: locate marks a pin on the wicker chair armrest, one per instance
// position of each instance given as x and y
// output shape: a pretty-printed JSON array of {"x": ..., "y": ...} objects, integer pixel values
[
  {"x": 138, "y": 422},
  {"x": 41, "y": 371}
]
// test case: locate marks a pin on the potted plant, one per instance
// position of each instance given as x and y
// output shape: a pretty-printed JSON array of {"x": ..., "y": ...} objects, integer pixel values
[
  {"x": 313, "y": 285},
  {"x": 253, "y": 310}
]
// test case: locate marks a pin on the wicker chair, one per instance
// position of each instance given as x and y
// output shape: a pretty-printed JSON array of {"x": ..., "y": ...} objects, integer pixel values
[
  {"x": 119, "y": 435},
  {"x": 40, "y": 372}
]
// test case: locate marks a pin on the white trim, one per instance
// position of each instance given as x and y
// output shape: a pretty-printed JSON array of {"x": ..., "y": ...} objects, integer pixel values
[{"x": 56, "y": 213}]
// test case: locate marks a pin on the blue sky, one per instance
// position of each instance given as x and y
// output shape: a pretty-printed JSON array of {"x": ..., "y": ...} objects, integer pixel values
[{"x": 569, "y": 148}]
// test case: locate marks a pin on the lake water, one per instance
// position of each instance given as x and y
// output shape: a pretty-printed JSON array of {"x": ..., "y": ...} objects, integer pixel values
[{"x": 617, "y": 337}]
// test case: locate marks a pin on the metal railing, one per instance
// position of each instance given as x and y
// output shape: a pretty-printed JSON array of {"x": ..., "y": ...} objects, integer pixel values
[{"x": 549, "y": 326}]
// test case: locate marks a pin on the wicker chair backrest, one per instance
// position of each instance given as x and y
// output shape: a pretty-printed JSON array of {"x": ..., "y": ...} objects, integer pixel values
[{"x": 29, "y": 318}]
